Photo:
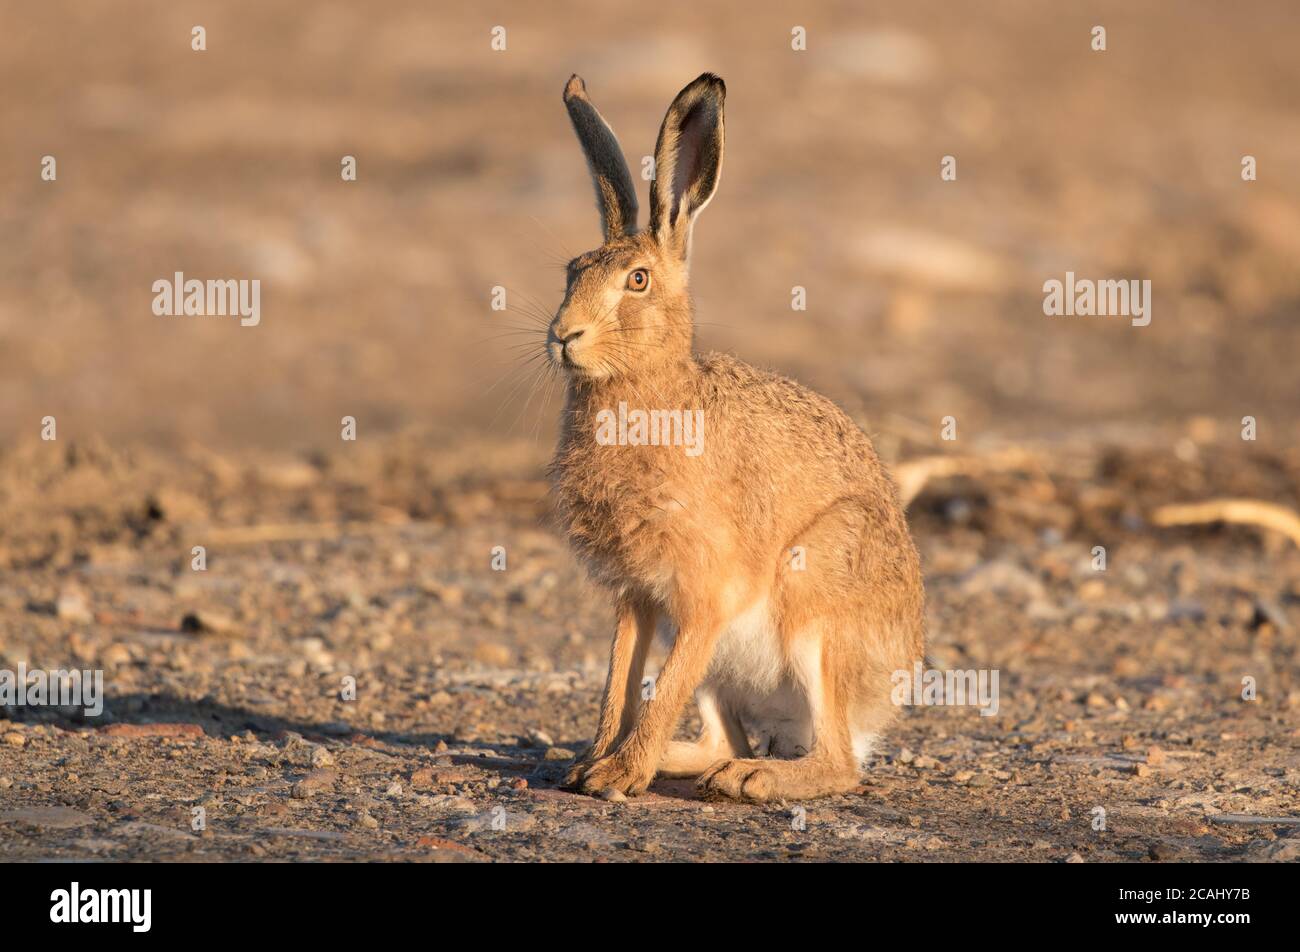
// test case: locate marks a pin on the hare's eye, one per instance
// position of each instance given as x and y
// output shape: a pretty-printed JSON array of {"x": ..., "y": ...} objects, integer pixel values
[{"x": 638, "y": 280}]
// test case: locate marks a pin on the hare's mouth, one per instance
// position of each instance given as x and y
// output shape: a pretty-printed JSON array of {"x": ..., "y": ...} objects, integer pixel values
[
  {"x": 559, "y": 355},
  {"x": 573, "y": 368},
  {"x": 563, "y": 358},
  {"x": 579, "y": 370}
]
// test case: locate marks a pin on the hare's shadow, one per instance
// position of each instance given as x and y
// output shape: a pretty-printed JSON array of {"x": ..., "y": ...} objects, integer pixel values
[{"x": 219, "y": 720}]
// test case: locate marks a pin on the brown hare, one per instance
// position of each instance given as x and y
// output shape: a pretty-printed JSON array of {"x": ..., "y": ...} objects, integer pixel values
[{"x": 774, "y": 559}]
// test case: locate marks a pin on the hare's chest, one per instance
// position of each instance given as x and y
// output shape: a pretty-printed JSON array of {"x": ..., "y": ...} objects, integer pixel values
[
  {"x": 631, "y": 512},
  {"x": 629, "y": 516}
]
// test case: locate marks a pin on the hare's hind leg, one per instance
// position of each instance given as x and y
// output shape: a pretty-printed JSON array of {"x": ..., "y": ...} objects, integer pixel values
[
  {"x": 722, "y": 737},
  {"x": 829, "y": 767}
]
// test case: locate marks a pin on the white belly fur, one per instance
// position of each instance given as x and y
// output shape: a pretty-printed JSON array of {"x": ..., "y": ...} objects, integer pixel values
[{"x": 751, "y": 677}]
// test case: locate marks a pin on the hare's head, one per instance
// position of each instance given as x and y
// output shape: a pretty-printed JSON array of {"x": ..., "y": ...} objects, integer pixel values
[{"x": 627, "y": 307}]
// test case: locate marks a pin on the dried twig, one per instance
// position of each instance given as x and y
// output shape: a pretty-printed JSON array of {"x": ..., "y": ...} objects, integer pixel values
[
  {"x": 1251, "y": 512},
  {"x": 913, "y": 475},
  {"x": 1251, "y": 820}
]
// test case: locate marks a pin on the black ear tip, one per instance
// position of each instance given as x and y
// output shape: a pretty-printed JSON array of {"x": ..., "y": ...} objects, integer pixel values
[
  {"x": 714, "y": 81},
  {"x": 574, "y": 87}
]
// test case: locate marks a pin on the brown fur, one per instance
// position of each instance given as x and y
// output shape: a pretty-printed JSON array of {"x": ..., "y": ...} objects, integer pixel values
[{"x": 700, "y": 541}]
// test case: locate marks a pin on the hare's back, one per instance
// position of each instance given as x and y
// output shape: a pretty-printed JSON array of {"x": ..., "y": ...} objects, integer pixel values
[{"x": 765, "y": 413}]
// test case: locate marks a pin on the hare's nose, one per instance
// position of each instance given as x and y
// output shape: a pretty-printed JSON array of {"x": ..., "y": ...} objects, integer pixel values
[{"x": 570, "y": 337}]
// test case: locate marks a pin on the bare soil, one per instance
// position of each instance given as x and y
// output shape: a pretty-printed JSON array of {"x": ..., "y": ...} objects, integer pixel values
[{"x": 1120, "y": 689}]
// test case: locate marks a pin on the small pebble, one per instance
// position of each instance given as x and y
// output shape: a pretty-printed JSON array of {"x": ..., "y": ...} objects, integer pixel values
[
  {"x": 71, "y": 606},
  {"x": 315, "y": 782}
]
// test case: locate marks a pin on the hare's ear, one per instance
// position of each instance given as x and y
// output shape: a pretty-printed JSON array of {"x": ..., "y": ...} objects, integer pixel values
[
  {"x": 688, "y": 162},
  {"x": 614, "y": 191}
]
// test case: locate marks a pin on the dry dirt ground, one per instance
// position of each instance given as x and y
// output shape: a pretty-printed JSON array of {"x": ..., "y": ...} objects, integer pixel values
[{"x": 1120, "y": 690}]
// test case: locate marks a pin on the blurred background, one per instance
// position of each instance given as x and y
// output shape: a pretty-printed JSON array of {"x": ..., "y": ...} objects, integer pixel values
[
  {"x": 924, "y": 296},
  {"x": 370, "y": 559}
]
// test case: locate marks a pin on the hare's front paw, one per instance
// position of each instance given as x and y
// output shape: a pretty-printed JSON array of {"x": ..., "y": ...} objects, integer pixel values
[
  {"x": 616, "y": 772},
  {"x": 573, "y": 779}
]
